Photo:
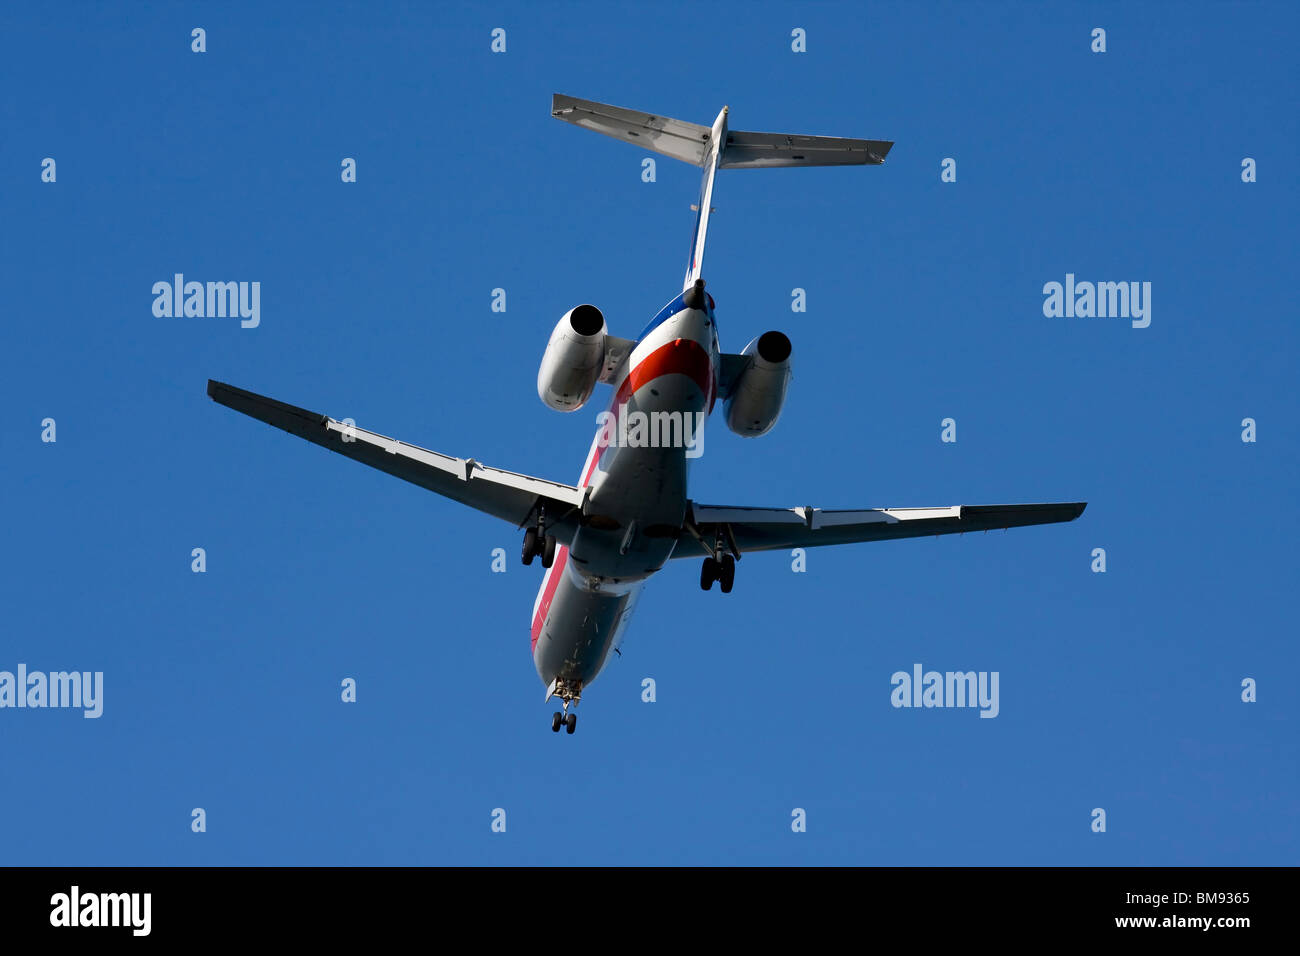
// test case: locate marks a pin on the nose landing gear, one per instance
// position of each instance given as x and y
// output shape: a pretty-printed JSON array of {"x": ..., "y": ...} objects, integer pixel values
[{"x": 569, "y": 693}]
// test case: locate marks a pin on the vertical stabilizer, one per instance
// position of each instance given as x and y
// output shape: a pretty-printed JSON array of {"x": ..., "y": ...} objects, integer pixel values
[{"x": 712, "y": 157}]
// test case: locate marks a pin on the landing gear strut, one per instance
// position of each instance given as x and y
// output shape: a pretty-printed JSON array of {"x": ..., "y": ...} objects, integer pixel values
[{"x": 538, "y": 542}]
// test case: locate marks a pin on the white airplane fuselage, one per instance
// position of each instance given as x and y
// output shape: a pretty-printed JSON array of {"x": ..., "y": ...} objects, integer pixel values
[
  {"x": 637, "y": 501},
  {"x": 601, "y": 539}
]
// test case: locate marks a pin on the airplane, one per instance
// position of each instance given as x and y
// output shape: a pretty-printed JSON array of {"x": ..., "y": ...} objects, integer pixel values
[{"x": 601, "y": 539}]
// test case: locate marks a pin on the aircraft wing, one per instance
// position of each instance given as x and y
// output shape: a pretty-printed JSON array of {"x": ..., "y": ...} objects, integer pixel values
[
  {"x": 502, "y": 494},
  {"x": 768, "y": 529}
]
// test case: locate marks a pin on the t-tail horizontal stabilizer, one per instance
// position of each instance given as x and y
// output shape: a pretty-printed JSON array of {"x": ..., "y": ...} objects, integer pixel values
[
  {"x": 715, "y": 147},
  {"x": 743, "y": 149}
]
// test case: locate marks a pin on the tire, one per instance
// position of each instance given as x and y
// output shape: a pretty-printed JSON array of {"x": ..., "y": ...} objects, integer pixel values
[
  {"x": 728, "y": 575},
  {"x": 571, "y": 723},
  {"x": 708, "y": 573},
  {"x": 548, "y": 551},
  {"x": 530, "y": 545},
  {"x": 556, "y": 720}
]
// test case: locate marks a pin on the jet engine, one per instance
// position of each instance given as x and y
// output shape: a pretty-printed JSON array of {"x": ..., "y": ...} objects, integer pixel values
[
  {"x": 574, "y": 358},
  {"x": 757, "y": 396}
]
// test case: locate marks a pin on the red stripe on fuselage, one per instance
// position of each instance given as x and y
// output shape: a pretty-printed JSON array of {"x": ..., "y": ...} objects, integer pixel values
[
  {"x": 678, "y": 357},
  {"x": 552, "y": 585}
]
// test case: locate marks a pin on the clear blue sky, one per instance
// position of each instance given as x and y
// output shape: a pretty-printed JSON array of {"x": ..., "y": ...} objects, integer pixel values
[{"x": 1118, "y": 690}]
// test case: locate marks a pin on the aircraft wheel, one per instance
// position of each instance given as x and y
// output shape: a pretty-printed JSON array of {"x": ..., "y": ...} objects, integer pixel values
[
  {"x": 556, "y": 720},
  {"x": 728, "y": 574},
  {"x": 570, "y": 723},
  {"x": 530, "y": 545},
  {"x": 708, "y": 573},
  {"x": 548, "y": 551}
]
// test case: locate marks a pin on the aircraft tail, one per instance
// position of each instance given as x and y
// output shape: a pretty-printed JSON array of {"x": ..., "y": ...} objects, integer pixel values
[{"x": 713, "y": 148}]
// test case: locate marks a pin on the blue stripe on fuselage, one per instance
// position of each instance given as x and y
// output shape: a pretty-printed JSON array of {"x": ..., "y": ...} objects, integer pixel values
[{"x": 671, "y": 309}]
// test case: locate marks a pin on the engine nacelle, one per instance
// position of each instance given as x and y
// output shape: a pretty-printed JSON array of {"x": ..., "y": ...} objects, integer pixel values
[
  {"x": 573, "y": 360},
  {"x": 758, "y": 394}
]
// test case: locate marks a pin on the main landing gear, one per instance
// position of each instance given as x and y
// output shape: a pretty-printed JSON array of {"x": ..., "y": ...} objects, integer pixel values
[
  {"x": 720, "y": 566},
  {"x": 723, "y": 571},
  {"x": 538, "y": 542}
]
